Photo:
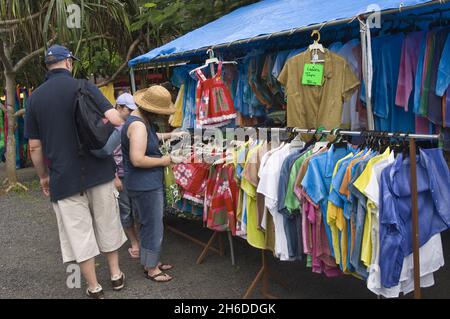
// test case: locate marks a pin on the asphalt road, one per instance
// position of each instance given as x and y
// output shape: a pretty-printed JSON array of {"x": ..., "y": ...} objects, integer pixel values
[{"x": 31, "y": 265}]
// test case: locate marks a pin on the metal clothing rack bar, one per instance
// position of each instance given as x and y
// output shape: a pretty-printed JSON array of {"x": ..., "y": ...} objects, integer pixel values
[{"x": 263, "y": 272}]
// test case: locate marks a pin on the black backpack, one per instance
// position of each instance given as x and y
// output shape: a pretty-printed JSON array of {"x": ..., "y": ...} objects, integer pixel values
[{"x": 92, "y": 129}]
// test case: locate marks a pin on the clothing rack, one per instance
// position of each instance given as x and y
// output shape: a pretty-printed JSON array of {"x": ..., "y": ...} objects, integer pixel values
[
  {"x": 263, "y": 273},
  {"x": 208, "y": 246}
]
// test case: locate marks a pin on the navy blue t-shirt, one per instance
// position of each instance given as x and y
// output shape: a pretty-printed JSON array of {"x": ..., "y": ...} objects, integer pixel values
[
  {"x": 141, "y": 179},
  {"x": 50, "y": 118}
]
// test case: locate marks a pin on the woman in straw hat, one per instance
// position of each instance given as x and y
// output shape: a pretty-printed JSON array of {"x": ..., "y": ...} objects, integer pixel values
[{"x": 143, "y": 165}]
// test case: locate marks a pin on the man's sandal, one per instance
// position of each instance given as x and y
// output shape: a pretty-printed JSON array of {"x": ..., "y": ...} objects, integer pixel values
[
  {"x": 118, "y": 283},
  {"x": 161, "y": 274},
  {"x": 99, "y": 294}
]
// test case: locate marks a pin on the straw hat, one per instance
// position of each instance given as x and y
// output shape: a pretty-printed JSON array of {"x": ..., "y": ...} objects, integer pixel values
[{"x": 155, "y": 99}]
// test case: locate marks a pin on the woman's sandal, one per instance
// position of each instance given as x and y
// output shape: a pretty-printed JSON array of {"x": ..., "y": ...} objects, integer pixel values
[
  {"x": 161, "y": 274},
  {"x": 163, "y": 267},
  {"x": 133, "y": 253}
]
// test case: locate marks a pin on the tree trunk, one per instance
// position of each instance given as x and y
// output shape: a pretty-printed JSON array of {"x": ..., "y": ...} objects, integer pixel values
[{"x": 11, "y": 172}]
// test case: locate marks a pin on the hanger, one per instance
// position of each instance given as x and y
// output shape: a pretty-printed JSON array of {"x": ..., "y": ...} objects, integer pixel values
[
  {"x": 210, "y": 62},
  {"x": 316, "y": 46}
]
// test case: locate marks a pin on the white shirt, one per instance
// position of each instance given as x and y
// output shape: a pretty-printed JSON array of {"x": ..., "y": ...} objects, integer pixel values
[
  {"x": 264, "y": 160},
  {"x": 268, "y": 186}
]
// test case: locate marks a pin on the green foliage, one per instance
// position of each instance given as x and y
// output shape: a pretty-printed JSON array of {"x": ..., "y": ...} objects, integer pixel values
[{"x": 164, "y": 20}]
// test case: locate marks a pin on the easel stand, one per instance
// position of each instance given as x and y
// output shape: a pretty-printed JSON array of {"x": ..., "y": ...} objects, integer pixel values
[
  {"x": 208, "y": 247},
  {"x": 263, "y": 273}
]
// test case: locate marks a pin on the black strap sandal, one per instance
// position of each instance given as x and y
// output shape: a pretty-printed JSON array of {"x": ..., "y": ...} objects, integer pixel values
[{"x": 163, "y": 267}]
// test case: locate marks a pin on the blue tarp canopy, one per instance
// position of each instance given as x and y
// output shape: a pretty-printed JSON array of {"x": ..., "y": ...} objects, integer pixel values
[{"x": 268, "y": 17}]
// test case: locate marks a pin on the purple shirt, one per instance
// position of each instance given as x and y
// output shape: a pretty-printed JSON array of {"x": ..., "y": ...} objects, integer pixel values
[{"x": 118, "y": 159}]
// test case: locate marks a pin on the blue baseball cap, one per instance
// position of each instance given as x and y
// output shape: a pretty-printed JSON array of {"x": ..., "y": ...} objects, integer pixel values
[{"x": 57, "y": 53}]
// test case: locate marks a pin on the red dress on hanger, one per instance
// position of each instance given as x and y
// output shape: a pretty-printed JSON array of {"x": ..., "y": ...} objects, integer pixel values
[
  {"x": 192, "y": 177},
  {"x": 221, "y": 198},
  {"x": 214, "y": 104}
]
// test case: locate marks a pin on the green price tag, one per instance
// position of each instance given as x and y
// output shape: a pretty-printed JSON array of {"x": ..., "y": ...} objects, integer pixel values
[{"x": 313, "y": 74}]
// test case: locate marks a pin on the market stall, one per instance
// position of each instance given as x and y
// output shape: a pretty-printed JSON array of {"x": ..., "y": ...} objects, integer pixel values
[{"x": 378, "y": 72}]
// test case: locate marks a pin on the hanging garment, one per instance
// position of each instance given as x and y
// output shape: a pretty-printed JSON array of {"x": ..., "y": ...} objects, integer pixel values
[
  {"x": 317, "y": 182},
  {"x": 312, "y": 105},
  {"x": 411, "y": 51},
  {"x": 221, "y": 197},
  {"x": 268, "y": 186},
  {"x": 176, "y": 120},
  {"x": 214, "y": 102},
  {"x": 192, "y": 178},
  {"x": 426, "y": 72},
  {"x": 433, "y": 182},
  {"x": 108, "y": 92},
  {"x": 254, "y": 201},
  {"x": 434, "y": 100},
  {"x": 443, "y": 79},
  {"x": 351, "y": 51},
  {"x": 179, "y": 77},
  {"x": 361, "y": 184},
  {"x": 386, "y": 60},
  {"x": 431, "y": 255}
]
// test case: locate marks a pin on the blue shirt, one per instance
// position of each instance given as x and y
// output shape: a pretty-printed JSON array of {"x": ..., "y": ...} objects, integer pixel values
[
  {"x": 433, "y": 183},
  {"x": 317, "y": 181},
  {"x": 435, "y": 101},
  {"x": 386, "y": 62},
  {"x": 443, "y": 78},
  {"x": 179, "y": 77},
  {"x": 358, "y": 215},
  {"x": 335, "y": 47},
  {"x": 278, "y": 65}
]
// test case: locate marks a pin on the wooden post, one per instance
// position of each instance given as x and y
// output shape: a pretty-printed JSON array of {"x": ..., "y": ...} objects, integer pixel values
[{"x": 415, "y": 218}]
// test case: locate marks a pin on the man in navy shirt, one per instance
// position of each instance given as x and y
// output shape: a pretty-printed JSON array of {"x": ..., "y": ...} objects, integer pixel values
[{"x": 88, "y": 221}]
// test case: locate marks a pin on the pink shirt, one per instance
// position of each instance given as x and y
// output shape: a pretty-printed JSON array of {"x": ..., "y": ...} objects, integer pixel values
[{"x": 408, "y": 68}]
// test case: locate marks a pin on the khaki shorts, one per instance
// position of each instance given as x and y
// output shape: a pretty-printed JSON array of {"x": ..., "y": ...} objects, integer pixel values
[{"x": 89, "y": 224}]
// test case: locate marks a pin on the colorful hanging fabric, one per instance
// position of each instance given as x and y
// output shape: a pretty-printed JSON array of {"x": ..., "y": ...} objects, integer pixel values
[
  {"x": 221, "y": 199},
  {"x": 215, "y": 106}
]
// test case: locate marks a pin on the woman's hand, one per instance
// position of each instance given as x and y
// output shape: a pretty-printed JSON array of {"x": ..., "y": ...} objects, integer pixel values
[
  {"x": 178, "y": 135},
  {"x": 118, "y": 184},
  {"x": 166, "y": 161}
]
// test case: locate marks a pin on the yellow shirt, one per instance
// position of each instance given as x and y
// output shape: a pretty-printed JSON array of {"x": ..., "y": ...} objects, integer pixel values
[
  {"x": 361, "y": 184},
  {"x": 176, "y": 120},
  {"x": 255, "y": 236}
]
